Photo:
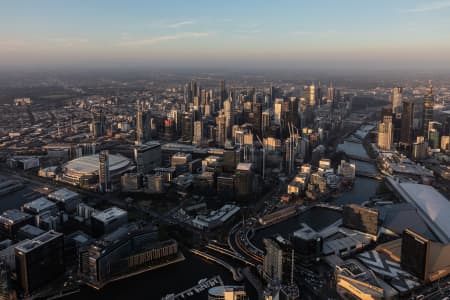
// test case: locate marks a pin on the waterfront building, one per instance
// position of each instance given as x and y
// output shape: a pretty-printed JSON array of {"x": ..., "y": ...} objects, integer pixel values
[
  {"x": 227, "y": 292},
  {"x": 125, "y": 254},
  {"x": 347, "y": 170},
  {"x": 278, "y": 260},
  {"x": 39, "y": 261},
  {"x": 361, "y": 218},
  {"x": 307, "y": 244},
  {"x": 385, "y": 133},
  {"x": 215, "y": 218}
]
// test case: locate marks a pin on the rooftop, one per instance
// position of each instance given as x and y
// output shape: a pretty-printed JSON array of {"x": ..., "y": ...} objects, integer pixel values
[
  {"x": 62, "y": 194},
  {"x": 244, "y": 166},
  {"x": 110, "y": 213},
  {"x": 90, "y": 164},
  {"x": 431, "y": 205},
  {"x": 32, "y": 230},
  {"x": 12, "y": 216},
  {"x": 38, "y": 241},
  {"x": 305, "y": 232},
  {"x": 40, "y": 204}
]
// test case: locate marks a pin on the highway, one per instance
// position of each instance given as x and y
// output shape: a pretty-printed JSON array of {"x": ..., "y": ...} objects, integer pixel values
[{"x": 237, "y": 274}]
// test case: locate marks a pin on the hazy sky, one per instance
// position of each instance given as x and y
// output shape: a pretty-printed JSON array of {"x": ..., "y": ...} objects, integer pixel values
[{"x": 258, "y": 33}]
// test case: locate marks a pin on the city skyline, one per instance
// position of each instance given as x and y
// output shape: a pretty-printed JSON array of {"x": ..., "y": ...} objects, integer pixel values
[{"x": 331, "y": 34}]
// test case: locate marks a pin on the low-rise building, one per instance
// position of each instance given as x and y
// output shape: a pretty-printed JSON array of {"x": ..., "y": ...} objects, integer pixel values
[
  {"x": 108, "y": 220},
  {"x": 215, "y": 218}
]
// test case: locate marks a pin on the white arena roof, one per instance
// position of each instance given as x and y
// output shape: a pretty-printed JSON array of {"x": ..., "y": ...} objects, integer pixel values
[
  {"x": 90, "y": 164},
  {"x": 432, "y": 206}
]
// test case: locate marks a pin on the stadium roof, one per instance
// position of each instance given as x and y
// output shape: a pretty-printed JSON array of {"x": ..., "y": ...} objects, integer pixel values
[
  {"x": 431, "y": 205},
  {"x": 90, "y": 164}
]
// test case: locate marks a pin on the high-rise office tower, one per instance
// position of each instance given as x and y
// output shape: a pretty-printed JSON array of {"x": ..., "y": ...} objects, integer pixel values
[
  {"x": 385, "y": 132},
  {"x": 434, "y": 134},
  {"x": 147, "y": 157},
  {"x": 194, "y": 89},
  {"x": 175, "y": 115},
  {"x": 292, "y": 114},
  {"x": 222, "y": 93},
  {"x": 142, "y": 125},
  {"x": 198, "y": 132},
  {"x": 419, "y": 149},
  {"x": 331, "y": 94},
  {"x": 428, "y": 104},
  {"x": 257, "y": 115},
  {"x": 98, "y": 124},
  {"x": 312, "y": 95},
  {"x": 103, "y": 173},
  {"x": 229, "y": 117},
  {"x": 221, "y": 130},
  {"x": 187, "y": 127},
  {"x": 265, "y": 121},
  {"x": 278, "y": 260},
  {"x": 244, "y": 180},
  {"x": 397, "y": 99},
  {"x": 39, "y": 261},
  {"x": 278, "y": 110},
  {"x": 406, "y": 133}
]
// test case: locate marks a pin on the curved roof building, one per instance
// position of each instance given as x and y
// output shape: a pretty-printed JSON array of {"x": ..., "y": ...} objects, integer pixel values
[{"x": 87, "y": 167}]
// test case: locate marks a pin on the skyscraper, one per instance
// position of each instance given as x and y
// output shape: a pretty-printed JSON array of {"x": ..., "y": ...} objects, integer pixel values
[
  {"x": 428, "y": 104},
  {"x": 312, "y": 95},
  {"x": 385, "y": 131},
  {"x": 142, "y": 125},
  {"x": 434, "y": 132},
  {"x": 229, "y": 117},
  {"x": 278, "y": 109},
  {"x": 187, "y": 127},
  {"x": 198, "y": 132},
  {"x": 406, "y": 133},
  {"x": 331, "y": 94},
  {"x": 397, "y": 98},
  {"x": 278, "y": 260},
  {"x": 103, "y": 174},
  {"x": 98, "y": 124},
  {"x": 222, "y": 93},
  {"x": 220, "y": 130}
]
